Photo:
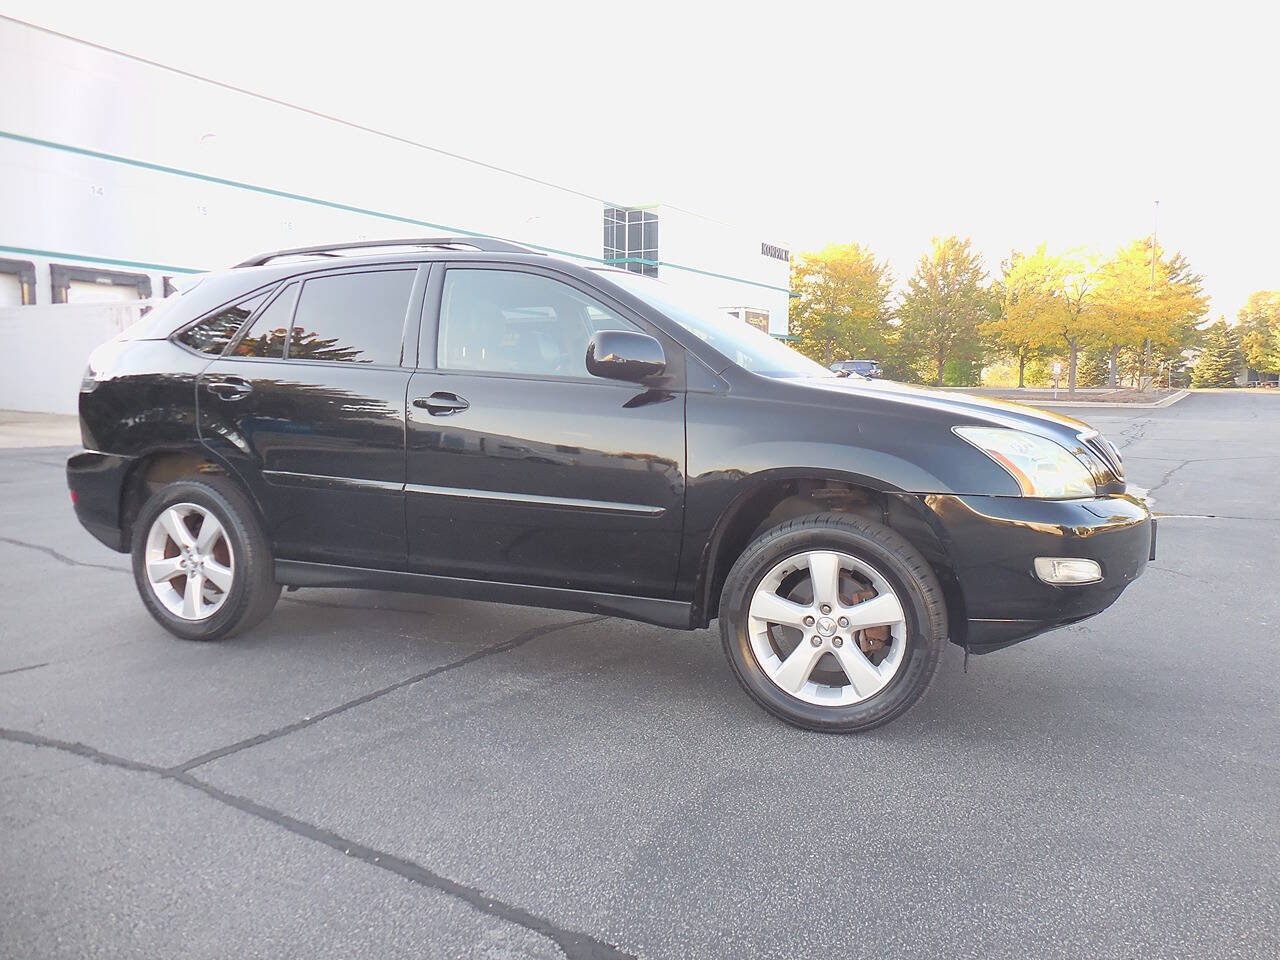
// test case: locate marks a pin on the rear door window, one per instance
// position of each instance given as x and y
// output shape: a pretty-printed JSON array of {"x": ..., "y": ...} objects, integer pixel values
[
  {"x": 352, "y": 317},
  {"x": 267, "y": 335}
]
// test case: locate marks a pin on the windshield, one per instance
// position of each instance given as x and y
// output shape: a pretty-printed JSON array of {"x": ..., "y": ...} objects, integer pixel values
[{"x": 748, "y": 347}]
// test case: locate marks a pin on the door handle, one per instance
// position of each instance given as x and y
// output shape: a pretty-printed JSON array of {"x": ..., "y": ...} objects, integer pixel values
[
  {"x": 441, "y": 404},
  {"x": 230, "y": 388}
]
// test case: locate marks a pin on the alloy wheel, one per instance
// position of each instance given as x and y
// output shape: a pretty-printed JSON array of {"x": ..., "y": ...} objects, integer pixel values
[
  {"x": 189, "y": 561},
  {"x": 827, "y": 628}
]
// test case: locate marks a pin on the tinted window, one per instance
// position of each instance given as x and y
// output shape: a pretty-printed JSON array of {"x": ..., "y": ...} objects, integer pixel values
[
  {"x": 352, "y": 318},
  {"x": 267, "y": 335},
  {"x": 506, "y": 322},
  {"x": 212, "y": 334}
]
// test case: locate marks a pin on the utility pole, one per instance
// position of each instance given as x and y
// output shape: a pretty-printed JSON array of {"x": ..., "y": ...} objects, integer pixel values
[{"x": 1155, "y": 231}]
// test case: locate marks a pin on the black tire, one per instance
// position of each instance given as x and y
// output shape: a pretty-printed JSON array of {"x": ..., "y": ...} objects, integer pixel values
[
  {"x": 901, "y": 566},
  {"x": 253, "y": 593}
]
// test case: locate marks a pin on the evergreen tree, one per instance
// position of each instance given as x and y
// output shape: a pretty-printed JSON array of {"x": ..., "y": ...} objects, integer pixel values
[
  {"x": 1219, "y": 362},
  {"x": 947, "y": 301},
  {"x": 1094, "y": 370}
]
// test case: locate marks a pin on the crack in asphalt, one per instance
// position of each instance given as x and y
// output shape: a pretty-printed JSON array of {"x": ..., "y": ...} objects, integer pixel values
[
  {"x": 501, "y": 647},
  {"x": 62, "y": 557},
  {"x": 1168, "y": 476},
  {"x": 30, "y": 666},
  {"x": 574, "y": 944},
  {"x": 1179, "y": 573},
  {"x": 1139, "y": 428}
]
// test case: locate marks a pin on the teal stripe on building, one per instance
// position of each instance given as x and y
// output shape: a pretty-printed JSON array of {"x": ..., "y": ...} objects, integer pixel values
[{"x": 315, "y": 201}]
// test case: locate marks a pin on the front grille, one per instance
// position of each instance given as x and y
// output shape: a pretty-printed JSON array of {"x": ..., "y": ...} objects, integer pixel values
[{"x": 1105, "y": 451}]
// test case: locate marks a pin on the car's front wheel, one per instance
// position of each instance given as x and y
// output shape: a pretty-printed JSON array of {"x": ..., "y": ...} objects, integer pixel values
[
  {"x": 833, "y": 622},
  {"x": 201, "y": 562}
]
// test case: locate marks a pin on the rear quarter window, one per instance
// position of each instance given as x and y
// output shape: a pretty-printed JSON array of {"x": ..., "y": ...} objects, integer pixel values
[{"x": 212, "y": 334}]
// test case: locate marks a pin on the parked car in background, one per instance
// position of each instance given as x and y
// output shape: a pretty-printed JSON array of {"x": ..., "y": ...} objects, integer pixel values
[
  {"x": 469, "y": 418},
  {"x": 863, "y": 368}
]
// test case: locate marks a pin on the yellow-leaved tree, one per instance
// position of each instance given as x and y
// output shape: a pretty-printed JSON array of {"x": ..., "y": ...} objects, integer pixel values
[
  {"x": 840, "y": 306},
  {"x": 1148, "y": 306},
  {"x": 1260, "y": 331},
  {"x": 1028, "y": 293}
]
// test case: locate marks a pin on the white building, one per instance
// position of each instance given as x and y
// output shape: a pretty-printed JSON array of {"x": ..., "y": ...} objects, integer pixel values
[{"x": 118, "y": 177}]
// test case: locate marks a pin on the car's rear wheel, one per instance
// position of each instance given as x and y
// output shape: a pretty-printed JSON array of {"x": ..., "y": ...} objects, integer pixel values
[
  {"x": 201, "y": 561},
  {"x": 833, "y": 623}
]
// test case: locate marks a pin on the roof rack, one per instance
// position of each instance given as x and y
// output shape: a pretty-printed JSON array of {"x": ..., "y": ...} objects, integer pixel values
[{"x": 483, "y": 244}]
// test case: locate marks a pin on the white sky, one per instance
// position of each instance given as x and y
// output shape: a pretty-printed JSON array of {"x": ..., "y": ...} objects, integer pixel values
[{"x": 883, "y": 123}]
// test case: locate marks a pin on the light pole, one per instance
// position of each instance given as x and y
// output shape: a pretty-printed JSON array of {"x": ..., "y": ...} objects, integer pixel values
[{"x": 1155, "y": 231}]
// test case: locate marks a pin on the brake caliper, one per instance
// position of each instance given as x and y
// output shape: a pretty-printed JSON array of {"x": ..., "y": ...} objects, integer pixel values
[{"x": 872, "y": 640}]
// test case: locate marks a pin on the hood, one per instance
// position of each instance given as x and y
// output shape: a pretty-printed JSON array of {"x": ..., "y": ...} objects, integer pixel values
[{"x": 966, "y": 407}]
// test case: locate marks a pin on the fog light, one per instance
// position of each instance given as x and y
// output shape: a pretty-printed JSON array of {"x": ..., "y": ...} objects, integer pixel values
[{"x": 1067, "y": 570}]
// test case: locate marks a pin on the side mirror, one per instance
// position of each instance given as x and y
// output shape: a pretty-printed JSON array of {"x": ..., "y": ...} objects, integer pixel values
[{"x": 623, "y": 355}]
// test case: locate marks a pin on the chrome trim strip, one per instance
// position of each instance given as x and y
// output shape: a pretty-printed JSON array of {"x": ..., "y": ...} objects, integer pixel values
[
  {"x": 571, "y": 503},
  {"x": 323, "y": 482}
]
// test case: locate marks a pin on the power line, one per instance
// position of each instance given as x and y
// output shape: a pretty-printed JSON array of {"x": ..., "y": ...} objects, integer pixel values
[{"x": 318, "y": 114}]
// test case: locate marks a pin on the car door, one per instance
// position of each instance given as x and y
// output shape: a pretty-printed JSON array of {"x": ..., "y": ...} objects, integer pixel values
[
  {"x": 522, "y": 467},
  {"x": 308, "y": 406}
]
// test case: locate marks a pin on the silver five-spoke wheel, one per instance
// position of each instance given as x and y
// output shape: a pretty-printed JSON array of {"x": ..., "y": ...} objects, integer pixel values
[
  {"x": 827, "y": 628},
  {"x": 189, "y": 561}
]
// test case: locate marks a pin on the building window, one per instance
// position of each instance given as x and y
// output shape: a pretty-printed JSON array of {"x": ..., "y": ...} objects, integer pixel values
[
  {"x": 631, "y": 240},
  {"x": 91, "y": 285},
  {"x": 757, "y": 318}
]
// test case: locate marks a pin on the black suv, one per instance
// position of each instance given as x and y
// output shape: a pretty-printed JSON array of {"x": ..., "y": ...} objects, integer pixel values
[{"x": 467, "y": 417}]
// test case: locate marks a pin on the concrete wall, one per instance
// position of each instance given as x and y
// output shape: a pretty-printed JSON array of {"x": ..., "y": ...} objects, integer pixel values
[{"x": 46, "y": 349}]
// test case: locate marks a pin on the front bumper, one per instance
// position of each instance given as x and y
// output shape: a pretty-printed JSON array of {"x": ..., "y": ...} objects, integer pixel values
[
  {"x": 993, "y": 542},
  {"x": 96, "y": 481}
]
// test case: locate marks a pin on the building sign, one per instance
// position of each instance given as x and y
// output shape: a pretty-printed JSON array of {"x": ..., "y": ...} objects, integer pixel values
[{"x": 778, "y": 253}]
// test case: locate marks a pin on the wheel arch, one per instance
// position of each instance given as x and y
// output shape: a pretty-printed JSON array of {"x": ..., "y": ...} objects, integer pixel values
[
  {"x": 166, "y": 465},
  {"x": 777, "y": 496}
]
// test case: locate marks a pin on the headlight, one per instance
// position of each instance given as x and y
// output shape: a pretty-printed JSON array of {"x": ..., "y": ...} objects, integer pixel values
[{"x": 1041, "y": 467}]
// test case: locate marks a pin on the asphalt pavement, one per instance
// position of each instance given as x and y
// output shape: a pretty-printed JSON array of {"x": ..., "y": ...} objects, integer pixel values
[{"x": 386, "y": 775}]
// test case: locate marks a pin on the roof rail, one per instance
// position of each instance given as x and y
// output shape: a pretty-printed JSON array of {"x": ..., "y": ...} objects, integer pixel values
[{"x": 483, "y": 244}]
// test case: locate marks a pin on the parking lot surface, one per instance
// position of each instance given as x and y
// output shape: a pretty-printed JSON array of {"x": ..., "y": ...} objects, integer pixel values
[{"x": 385, "y": 775}]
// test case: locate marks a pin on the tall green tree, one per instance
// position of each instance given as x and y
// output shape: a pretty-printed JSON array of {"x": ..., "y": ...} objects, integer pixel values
[
  {"x": 841, "y": 307},
  {"x": 1220, "y": 358},
  {"x": 1092, "y": 370},
  {"x": 1260, "y": 330},
  {"x": 946, "y": 303}
]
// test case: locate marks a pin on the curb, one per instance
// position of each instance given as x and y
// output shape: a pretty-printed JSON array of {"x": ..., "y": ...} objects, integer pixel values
[{"x": 1119, "y": 405}]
